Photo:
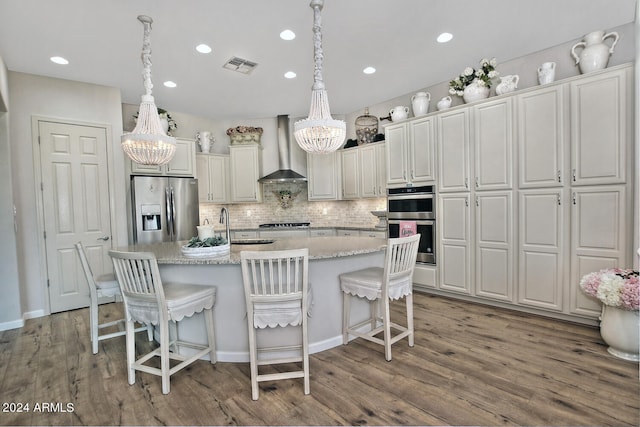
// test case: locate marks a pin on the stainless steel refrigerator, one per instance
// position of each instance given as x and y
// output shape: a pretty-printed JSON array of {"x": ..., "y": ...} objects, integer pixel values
[{"x": 165, "y": 209}]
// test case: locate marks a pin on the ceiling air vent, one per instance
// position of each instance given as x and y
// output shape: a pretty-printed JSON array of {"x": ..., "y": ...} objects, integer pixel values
[{"x": 240, "y": 65}]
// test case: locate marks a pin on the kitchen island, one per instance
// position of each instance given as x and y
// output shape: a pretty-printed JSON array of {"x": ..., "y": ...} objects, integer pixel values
[{"x": 328, "y": 258}]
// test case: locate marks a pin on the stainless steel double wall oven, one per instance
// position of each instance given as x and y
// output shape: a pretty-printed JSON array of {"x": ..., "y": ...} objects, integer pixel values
[{"x": 414, "y": 204}]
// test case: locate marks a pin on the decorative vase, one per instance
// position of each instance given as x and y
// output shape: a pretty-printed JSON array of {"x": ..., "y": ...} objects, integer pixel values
[
  {"x": 205, "y": 140},
  {"x": 547, "y": 73},
  {"x": 620, "y": 329},
  {"x": 399, "y": 113},
  {"x": 444, "y": 103},
  {"x": 507, "y": 84},
  {"x": 420, "y": 103},
  {"x": 595, "y": 53},
  {"x": 475, "y": 92}
]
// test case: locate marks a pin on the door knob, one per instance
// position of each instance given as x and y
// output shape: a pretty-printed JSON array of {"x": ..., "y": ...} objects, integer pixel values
[{"x": 105, "y": 238}]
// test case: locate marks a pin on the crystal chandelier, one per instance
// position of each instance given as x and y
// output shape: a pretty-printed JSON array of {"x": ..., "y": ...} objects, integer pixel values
[
  {"x": 148, "y": 144},
  {"x": 319, "y": 133}
]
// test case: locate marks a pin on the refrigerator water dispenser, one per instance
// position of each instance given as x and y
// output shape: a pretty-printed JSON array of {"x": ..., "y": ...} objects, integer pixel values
[{"x": 151, "y": 217}]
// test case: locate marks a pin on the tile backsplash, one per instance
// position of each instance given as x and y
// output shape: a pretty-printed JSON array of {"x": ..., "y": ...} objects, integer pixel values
[{"x": 330, "y": 213}]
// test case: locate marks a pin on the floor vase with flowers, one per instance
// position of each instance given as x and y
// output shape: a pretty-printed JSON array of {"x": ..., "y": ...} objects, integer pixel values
[{"x": 620, "y": 329}]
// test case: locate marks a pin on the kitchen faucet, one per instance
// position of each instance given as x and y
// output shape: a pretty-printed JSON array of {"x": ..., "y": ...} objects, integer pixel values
[{"x": 224, "y": 219}]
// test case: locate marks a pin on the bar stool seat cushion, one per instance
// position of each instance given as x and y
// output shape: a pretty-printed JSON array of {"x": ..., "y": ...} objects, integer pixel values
[
  {"x": 108, "y": 286},
  {"x": 182, "y": 301},
  {"x": 367, "y": 283}
]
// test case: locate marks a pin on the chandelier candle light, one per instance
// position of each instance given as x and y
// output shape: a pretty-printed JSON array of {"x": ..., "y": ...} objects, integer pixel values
[
  {"x": 319, "y": 133},
  {"x": 148, "y": 144}
]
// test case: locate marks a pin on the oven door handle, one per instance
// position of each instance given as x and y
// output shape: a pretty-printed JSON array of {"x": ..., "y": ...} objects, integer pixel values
[
  {"x": 417, "y": 221},
  {"x": 412, "y": 196}
]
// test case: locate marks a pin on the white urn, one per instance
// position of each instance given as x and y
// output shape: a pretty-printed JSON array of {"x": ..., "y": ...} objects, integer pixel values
[
  {"x": 595, "y": 52},
  {"x": 205, "y": 139}
]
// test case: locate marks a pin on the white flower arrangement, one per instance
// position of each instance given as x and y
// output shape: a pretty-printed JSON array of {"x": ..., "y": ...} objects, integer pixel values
[{"x": 482, "y": 76}]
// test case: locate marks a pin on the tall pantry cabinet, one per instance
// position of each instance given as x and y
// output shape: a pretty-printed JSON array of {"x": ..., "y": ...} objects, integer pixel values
[{"x": 534, "y": 191}]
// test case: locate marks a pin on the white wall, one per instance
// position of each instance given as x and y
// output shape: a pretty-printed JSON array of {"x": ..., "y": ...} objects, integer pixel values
[
  {"x": 525, "y": 67},
  {"x": 65, "y": 100},
  {"x": 10, "y": 312}
]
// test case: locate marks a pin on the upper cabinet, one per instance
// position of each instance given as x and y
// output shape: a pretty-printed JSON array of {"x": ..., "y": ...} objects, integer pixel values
[
  {"x": 363, "y": 171},
  {"x": 213, "y": 182},
  {"x": 182, "y": 164},
  {"x": 542, "y": 136},
  {"x": 453, "y": 150},
  {"x": 600, "y": 131},
  {"x": 410, "y": 152},
  {"x": 492, "y": 144},
  {"x": 246, "y": 168},
  {"x": 373, "y": 175},
  {"x": 350, "y": 172},
  {"x": 323, "y": 177}
]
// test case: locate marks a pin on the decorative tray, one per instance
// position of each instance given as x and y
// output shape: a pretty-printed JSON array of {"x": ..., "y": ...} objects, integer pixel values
[{"x": 206, "y": 252}]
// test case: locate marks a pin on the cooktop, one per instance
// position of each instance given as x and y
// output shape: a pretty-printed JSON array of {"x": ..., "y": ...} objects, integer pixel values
[{"x": 285, "y": 225}]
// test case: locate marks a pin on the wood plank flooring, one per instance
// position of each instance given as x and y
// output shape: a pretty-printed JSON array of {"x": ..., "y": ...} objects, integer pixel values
[{"x": 471, "y": 365}]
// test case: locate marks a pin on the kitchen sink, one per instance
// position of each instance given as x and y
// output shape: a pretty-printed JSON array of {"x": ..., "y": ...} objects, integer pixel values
[{"x": 252, "y": 241}]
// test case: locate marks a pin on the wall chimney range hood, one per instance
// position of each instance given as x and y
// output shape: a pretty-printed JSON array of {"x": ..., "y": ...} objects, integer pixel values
[{"x": 284, "y": 173}]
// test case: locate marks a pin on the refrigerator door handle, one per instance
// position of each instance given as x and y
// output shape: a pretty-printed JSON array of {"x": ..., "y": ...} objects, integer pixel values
[
  {"x": 167, "y": 199},
  {"x": 173, "y": 216}
]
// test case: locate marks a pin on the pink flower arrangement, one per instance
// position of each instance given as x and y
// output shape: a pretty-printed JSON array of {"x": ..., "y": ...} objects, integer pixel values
[{"x": 614, "y": 287}]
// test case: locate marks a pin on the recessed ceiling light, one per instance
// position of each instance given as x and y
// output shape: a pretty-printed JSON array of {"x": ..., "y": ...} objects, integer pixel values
[
  {"x": 369, "y": 70},
  {"x": 59, "y": 60},
  {"x": 290, "y": 74},
  {"x": 169, "y": 83},
  {"x": 203, "y": 48},
  {"x": 444, "y": 37},
  {"x": 287, "y": 35}
]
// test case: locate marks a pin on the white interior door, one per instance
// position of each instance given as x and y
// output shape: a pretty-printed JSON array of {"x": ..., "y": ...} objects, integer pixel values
[{"x": 75, "y": 194}]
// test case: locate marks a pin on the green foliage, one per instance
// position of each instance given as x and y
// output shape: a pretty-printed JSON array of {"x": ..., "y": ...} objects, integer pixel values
[{"x": 195, "y": 242}]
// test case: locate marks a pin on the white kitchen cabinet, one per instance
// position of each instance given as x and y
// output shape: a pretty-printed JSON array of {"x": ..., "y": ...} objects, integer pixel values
[
  {"x": 493, "y": 244},
  {"x": 323, "y": 176},
  {"x": 270, "y": 234},
  {"x": 245, "y": 170},
  {"x": 542, "y": 251},
  {"x": 322, "y": 232},
  {"x": 376, "y": 234},
  {"x": 246, "y": 234},
  {"x": 350, "y": 172},
  {"x": 600, "y": 127},
  {"x": 454, "y": 246},
  {"x": 598, "y": 238},
  {"x": 453, "y": 150},
  {"x": 410, "y": 152},
  {"x": 212, "y": 173},
  {"x": 492, "y": 141},
  {"x": 543, "y": 135},
  {"x": 182, "y": 163},
  {"x": 347, "y": 232},
  {"x": 372, "y": 165}
]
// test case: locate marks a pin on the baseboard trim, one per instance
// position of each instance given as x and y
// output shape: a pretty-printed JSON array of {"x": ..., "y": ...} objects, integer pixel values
[
  {"x": 14, "y": 324},
  {"x": 33, "y": 314}
]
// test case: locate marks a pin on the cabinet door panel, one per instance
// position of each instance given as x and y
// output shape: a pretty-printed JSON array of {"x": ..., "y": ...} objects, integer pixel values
[
  {"x": 598, "y": 218},
  {"x": 350, "y": 174},
  {"x": 453, "y": 151},
  {"x": 218, "y": 181},
  {"x": 368, "y": 171},
  {"x": 395, "y": 137},
  {"x": 494, "y": 246},
  {"x": 542, "y": 269},
  {"x": 599, "y": 128},
  {"x": 541, "y": 137},
  {"x": 202, "y": 173},
  {"x": 493, "y": 139},
  {"x": 322, "y": 173},
  {"x": 421, "y": 150},
  {"x": 454, "y": 251}
]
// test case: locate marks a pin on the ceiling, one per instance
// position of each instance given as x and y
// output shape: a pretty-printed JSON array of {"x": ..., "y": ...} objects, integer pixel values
[{"x": 103, "y": 40}]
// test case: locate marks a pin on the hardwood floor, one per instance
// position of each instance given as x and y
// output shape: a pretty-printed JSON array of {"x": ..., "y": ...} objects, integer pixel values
[{"x": 471, "y": 365}]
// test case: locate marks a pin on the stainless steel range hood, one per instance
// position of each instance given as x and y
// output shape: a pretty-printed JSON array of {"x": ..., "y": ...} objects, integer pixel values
[{"x": 284, "y": 173}]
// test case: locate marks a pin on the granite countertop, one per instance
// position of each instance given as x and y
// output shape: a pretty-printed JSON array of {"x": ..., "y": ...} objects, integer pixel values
[
  {"x": 312, "y": 227},
  {"x": 319, "y": 248}
]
